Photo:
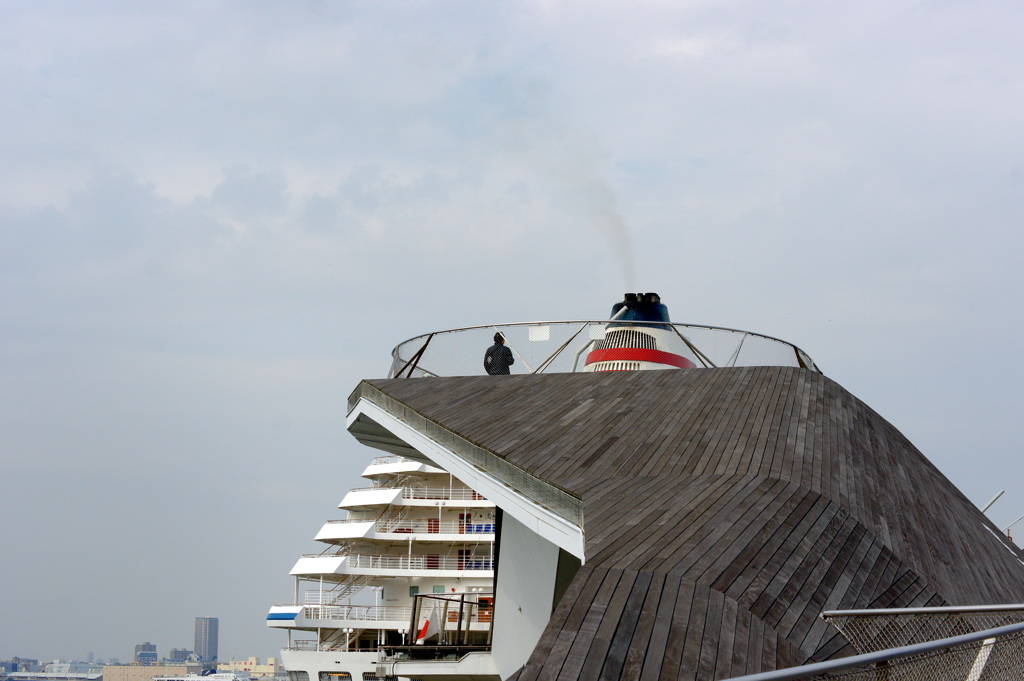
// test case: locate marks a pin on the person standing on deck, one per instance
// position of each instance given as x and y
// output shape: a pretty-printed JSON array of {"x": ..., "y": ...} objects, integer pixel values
[{"x": 498, "y": 358}]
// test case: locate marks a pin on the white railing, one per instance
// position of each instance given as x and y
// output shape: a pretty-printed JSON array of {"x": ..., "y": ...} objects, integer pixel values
[
  {"x": 303, "y": 645},
  {"x": 331, "y": 646},
  {"x": 367, "y": 613},
  {"x": 336, "y": 595},
  {"x": 430, "y": 493},
  {"x": 430, "y": 562},
  {"x": 432, "y": 526},
  {"x": 417, "y": 562},
  {"x": 425, "y": 526}
]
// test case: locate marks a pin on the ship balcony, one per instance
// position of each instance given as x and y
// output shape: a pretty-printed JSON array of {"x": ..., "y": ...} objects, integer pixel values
[
  {"x": 344, "y": 616},
  {"x": 417, "y": 530},
  {"x": 430, "y": 565},
  {"x": 425, "y": 496},
  {"x": 388, "y": 617}
]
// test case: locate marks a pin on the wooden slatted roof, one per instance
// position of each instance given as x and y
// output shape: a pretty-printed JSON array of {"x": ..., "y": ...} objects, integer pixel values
[{"x": 724, "y": 509}]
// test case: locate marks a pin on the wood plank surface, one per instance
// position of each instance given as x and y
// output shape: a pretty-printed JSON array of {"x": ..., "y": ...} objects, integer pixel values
[{"x": 724, "y": 509}]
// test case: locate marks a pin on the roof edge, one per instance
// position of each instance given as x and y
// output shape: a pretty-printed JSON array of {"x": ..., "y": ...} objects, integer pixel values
[{"x": 555, "y": 499}]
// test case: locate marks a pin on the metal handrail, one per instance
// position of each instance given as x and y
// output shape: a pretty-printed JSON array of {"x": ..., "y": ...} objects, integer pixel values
[
  {"x": 379, "y": 613},
  {"x": 413, "y": 562},
  {"x": 370, "y": 613},
  {"x": 411, "y": 356},
  {"x": 941, "y": 609},
  {"x": 429, "y": 493},
  {"x": 431, "y": 526},
  {"x": 423, "y": 526},
  {"x": 309, "y": 645},
  {"x": 617, "y": 322},
  {"x": 881, "y": 656}
]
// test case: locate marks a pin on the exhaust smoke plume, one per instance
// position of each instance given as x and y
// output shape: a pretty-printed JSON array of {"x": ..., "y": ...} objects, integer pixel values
[{"x": 595, "y": 199}]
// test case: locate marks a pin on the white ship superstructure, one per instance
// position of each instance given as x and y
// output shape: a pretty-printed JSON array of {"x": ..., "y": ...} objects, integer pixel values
[{"x": 416, "y": 530}]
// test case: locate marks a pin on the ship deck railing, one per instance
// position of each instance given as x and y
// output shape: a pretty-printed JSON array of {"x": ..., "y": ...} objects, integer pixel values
[
  {"x": 422, "y": 492},
  {"x": 333, "y": 596},
  {"x": 562, "y": 347},
  {"x": 365, "y": 613},
  {"x": 414, "y": 562},
  {"x": 384, "y": 613},
  {"x": 310, "y": 645},
  {"x": 423, "y": 526}
]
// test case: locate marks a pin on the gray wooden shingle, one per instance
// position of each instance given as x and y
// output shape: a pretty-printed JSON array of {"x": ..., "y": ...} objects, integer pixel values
[{"x": 724, "y": 509}]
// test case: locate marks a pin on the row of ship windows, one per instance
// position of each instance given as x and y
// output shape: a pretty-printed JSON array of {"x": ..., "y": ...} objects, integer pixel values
[{"x": 438, "y": 589}]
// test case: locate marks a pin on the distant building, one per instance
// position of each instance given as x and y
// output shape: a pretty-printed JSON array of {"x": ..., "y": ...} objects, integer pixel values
[
  {"x": 145, "y": 654},
  {"x": 24, "y": 664},
  {"x": 253, "y": 666},
  {"x": 132, "y": 672},
  {"x": 70, "y": 668},
  {"x": 179, "y": 655},
  {"x": 59, "y": 671},
  {"x": 206, "y": 638}
]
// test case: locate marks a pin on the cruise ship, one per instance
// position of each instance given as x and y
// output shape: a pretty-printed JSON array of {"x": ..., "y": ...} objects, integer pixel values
[
  {"x": 639, "y": 499},
  {"x": 416, "y": 529}
]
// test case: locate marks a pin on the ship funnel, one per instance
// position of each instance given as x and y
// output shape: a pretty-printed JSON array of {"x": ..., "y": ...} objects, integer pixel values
[
  {"x": 639, "y": 336},
  {"x": 640, "y": 307}
]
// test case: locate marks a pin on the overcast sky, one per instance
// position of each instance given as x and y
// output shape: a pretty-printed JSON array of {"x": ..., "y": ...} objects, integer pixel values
[{"x": 216, "y": 217}]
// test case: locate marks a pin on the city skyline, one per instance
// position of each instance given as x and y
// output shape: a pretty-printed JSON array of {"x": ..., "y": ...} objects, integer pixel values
[
  {"x": 205, "y": 637},
  {"x": 92, "y": 660}
]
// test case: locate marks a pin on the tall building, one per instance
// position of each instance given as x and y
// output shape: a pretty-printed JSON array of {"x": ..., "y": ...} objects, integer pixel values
[
  {"x": 145, "y": 653},
  {"x": 206, "y": 638}
]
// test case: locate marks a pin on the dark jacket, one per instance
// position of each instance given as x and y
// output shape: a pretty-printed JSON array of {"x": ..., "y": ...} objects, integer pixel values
[{"x": 497, "y": 360}]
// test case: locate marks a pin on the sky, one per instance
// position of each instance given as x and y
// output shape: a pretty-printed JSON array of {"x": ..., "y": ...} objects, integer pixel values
[{"x": 217, "y": 217}]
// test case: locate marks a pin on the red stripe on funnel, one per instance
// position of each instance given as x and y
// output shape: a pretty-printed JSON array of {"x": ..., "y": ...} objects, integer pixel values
[{"x": 639, "y": 355}]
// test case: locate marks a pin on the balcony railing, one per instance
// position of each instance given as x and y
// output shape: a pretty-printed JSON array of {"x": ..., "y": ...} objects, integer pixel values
[
  {"x": 427, "y": 562},
  {"x": 386, "y": 613},
  {"x": 303, "y": 645},
  {"x": 561, "y": 347},
  {"x": 362, "y": 613},
  {"x": 430, "y": 562},
  {"x": 424, "y": 526},
  {"x": 431, "y": 493}
]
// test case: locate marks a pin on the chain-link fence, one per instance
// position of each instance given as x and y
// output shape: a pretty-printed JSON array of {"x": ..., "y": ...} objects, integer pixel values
[
  {"x": 921, "y": 644},
  {"x": 564, "y": 347},
  {"x": 872, "y": 630}
]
